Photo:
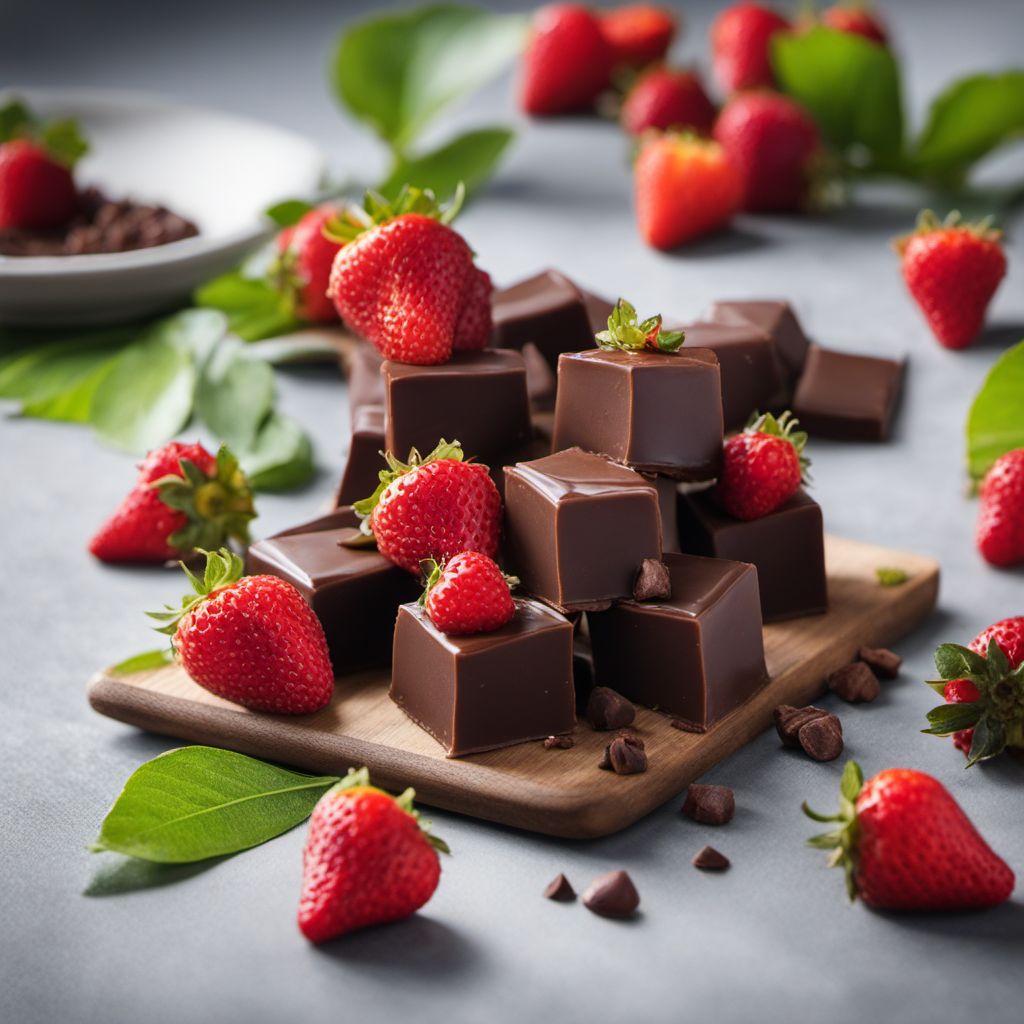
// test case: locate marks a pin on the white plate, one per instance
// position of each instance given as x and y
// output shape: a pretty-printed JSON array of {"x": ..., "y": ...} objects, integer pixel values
[{"x": 218, "y": 170}]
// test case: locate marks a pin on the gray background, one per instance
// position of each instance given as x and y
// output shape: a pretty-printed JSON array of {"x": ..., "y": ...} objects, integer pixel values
[{"x": 772, "y": 938}]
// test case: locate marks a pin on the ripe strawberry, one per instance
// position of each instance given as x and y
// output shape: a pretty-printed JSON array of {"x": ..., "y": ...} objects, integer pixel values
[
  {"x": 763, "y": 467},
  {"x": 303, "y": 269},
  {"x": 905, "y": 844},
  {"x": 35, "y": 190},
  {"x": 473, "y": 331},
  {"x": 1000, "y": 531},
  {"x": 638, "y": 34},
  {"x": 467, "y": 594},
  {"x": 952, "y": 270},
  {"x": 183, "y": 499},
  {"x": 250, "y": 639},
  {"x": 668, "y": 99},
  {"x": 368, "y": 860},
  {"x": 741, "y": 45},
  {"x": 567, "y": 61},
  {"x": 856, "y": 19},
  {"x": 434, "y": 508},
  {"x": 684, "y": 187},
  {"x": 774, "y": 143}
]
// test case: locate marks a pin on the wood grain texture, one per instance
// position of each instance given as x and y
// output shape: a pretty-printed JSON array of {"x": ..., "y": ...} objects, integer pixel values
[{"x": 558, "y": 792}]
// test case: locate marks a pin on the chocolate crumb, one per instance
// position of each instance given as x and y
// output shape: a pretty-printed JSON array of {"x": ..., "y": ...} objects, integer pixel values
[
  {"x": 652, "y": 581},
  {"x": 709, "y": 859},
  {"x": 678, "y": 723},
  {"x": 854, "y": 683},
  {"x": 710, "y": 805},
  {"x": 560, "y": 889},
  {"x": 607, "y": 709},
  {"x": 612, "y": 895},
  {"x": 883, "y": 662},
  {"x": 559, "y": 742},
  {"x": 790, "y": 720},
  {"x": 625, "y": 755},
  {"x": 822, "y": 738}
]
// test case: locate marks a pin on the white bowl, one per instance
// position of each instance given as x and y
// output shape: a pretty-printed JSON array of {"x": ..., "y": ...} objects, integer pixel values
[{"x": 218, "y": 170}]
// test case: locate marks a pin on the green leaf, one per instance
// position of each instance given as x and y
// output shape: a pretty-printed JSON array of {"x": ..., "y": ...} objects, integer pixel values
[
  {"x": 74, "y": 404},
  {"x": 254, "y": 307},
  {"x": 281, "y": 457},
  {"x": 199, "y": 802},
  {"x": 995, "y": 424},
  {"x": 142, "y": 662},
  {"x": 956, "y": 662},
  {"x": 469, "y": 158},
  {"x": 890, "y": 577},
  {"x": 15, "y": 119},
  {"x": 947, "y": 718},
  {"x": 64, "y": 141},
  {"x": 397, "y": 71},
  {"x": 288, "y": 212},
  {"x": 989, "y": 740},
  {"x": 969, "y": 120},
  {"x": 235, "y": 394}
]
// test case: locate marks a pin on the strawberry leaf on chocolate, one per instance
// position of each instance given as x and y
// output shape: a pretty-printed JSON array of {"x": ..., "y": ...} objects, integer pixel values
[{"x": 627, "y": 333}]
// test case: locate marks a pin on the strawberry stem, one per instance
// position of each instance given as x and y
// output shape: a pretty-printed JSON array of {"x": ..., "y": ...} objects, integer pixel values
[
  {"x": 223, "y": 569},
  {"x": 627, "y": 333}
]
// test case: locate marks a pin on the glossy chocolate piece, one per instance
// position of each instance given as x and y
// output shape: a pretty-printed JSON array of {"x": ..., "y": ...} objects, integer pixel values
[
  {"x": 656, "y": 412},
  {"x": 488, "y": 690},
  {"x": 848, "y": 397},
  {"x": 697, "y": 655},
  {"x": 598, "y": 310},
  {"x": 334, "y": 520},
  {"x": 776, "y": 319},
  {"x": 365, "y": 383},
  {"x": 787, "y": 546},
  {"x": 355, "y": 592},
  {"x": 668, "y": 504},
  {"x": 578, "y": 527},
  {"x": 541, "y": 380},
  {"x": 478, "y": 399},
  {"x": 362, "y": 467}
]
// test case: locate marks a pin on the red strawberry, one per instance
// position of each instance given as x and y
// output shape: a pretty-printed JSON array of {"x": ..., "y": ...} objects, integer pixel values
[
  {"x": 567, "y": 61},
  {"x": 856, "y": 19},
  {"x": 741, "y": 45},
  {"x": 250, "y": 639},
  {"x": 952, "y": 270},
  {"x": 473, "y": 331},
  {"x": 368, "y": 860},
  {"x": 905, "y": 844},
  {"x": 183, "y": 499},
  {"x": 1000, "y": 531},
  {"x": 763, "y": 467},
  {"x": 303, "y": 269},
  {"x": 668, "y": 99},
  {"x": 774, "y": 144},
  {"x": 468, "y": 594},
  {"x": 638, "y": 34},
  {"x": 434, "y": 508},
  {"x": 36, "y": 191},
  {"x": 684, "y": 187}
]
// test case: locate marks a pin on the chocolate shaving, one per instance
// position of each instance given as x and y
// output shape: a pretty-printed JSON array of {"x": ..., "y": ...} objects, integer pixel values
[
  {"x": 883, "y": 662},
  {"x": 710, "y": 805},
  {"x": 559, "y": 742},
  {"x": 822, "y": 738},
  {"x": 854, "y": 683},
  {"x": 625, "y": 755},
  {"x": 652, "y": 581},
  {"x": 560, "y": 889},
  {"x": 607, "y": 709},
  {"x": 790, "y": 720},
  {"x": 612, "y": 895},
  {"x": 709, "y": 859},
  {"x": 678, "y": 723}
]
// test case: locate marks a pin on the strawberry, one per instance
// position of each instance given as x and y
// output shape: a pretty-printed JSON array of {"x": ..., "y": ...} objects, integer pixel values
[
  {"x": 661, "y": 98},
  {"x": 302, "y": 269},
  {"x": 183, "y": 499},
  {"x": 763, "y": 467},
  {"x": 404, "y": 278},
  {"x": 250, "y": 639},
  {"x": 983, "y": 686},
  {"x": 905, "y": 844},
  {"x": 684, "y": 187},
  {"x": 467, "y": 594},
  {"x": 774, "y": 143},
  {"x": 473, "y": 331},
  {"x": 952, "y": 270},
  {"x": 567, "y": 63},
  {"x": 433, "y": 507},
  {"x": 368, "y": 860},
  {"x": 856, "y": 19},
  {"x": 638, "y": 34},
  {"x": 741, "y": 45},
  {"x": 1000, "y": 530}
]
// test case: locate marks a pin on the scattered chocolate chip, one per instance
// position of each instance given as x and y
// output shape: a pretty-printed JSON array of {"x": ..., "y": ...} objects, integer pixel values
[
  {"x": 854, "y": 683},
  {"x": 560, "y": 889},
  {"x": 561, "y": 742},
  {"x": 625, "y": 755},
  {"x": 789, "y": 720},
  {"x": 822, "y": 738},
  {"x": 607, "y": 709},
  {"x": 883, "y": 662},
  {"x": 710, "y": 805},
  {"x": 678, "y": 723},
  {"x": 709, "y": 859},
  {"x": 652, "y": 581},
  {"x": 612, "y": 895}
]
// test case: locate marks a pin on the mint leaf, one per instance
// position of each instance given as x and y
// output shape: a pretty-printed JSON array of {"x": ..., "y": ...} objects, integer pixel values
[
  {"x": 199, "y": 802},
  {"x": 142, "y": 662},
  {"x": 254, "y": 307},
  {"x": 235, "y": 394},
  {"x": 288, "y": 212},
  {"x": 995, "y": 424},
  {"x": 280, "y": 458}
]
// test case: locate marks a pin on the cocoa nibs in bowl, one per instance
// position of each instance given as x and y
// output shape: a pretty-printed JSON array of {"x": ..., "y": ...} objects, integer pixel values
[{"x": 854, "y": 683}]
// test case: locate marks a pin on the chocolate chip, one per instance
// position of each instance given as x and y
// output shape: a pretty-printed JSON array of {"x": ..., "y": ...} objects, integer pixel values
[
  {"x": 612, "y": 895},
  {"x": 709, "y": 859},
  {"x": 560, "y": 889},
  {"x": 710, "y": 805},
  {"x": 789, "y": 720},
  {"x": 822, "y": 738},
  {"x": 607, "y": 709},
  {"x": 625, "y": 755},
  {"x": 561, "y": 742},
  {"x": 678, "y": 723},
  {"x": 854, "y": 683},
  {"x": 883, "y": 662},
  {"x": 652, "y": 581}
]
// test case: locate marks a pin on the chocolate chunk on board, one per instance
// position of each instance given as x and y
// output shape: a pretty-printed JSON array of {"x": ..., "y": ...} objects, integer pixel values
[
  {"x": 612, "y": 895},
  {"x": 790, "y": 720},
  {"x": 883, "y": 662},
  {"x": 822, "y": 738},
  {"x": 559, "y": 743},
  {"x": 560, "y": 889},
  {"x": 625, "y": 755},
  {"x": 607, "y": 709},
  {"x": 652, "y": 580},
  {"x": 709, "y": 859},
  {"x": 854, "y": 683},
  {"x": 709, "y": 804}
]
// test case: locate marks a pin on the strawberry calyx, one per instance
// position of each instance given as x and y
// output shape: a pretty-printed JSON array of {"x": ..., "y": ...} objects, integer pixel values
[
  {"x": 433, "y": 570},
  {"x": 842, "y": 840},
  {"x": 61, "y": 137},
  {"x": 784, "y": 427},
  {"x": 996, "y": 716},
  {"x": 224, "y": 568},
  {"x": 928, "y": 222},
  {"x": 376, "y": 210},
  {"x": 627, "y": 333}
]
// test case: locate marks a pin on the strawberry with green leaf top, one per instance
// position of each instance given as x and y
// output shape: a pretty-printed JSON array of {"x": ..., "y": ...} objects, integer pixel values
[
  {"x": 467, "y": 594},
  {"x": 628, "y": 333},
  {"x": 302, "y": 268}
]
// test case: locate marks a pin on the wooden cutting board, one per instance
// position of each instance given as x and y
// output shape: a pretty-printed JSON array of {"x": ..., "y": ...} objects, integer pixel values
[{"x": 558, "y": 792}]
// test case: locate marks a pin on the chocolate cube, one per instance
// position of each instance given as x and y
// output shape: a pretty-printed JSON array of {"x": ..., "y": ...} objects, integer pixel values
[
  {"x": 657, "y": 412},
  {"x": 335, "y": 520},
  {"x": 668, "y": 506},
  {"x": 355, "y": 592},
  {"x": 598, "y": 310},
  {"x": 787, "y": 546},
  {"x": 697, "y": 655},
  {"x": 362, "y": 467},
  {"x": 365, "y": 383},
  {"x": 774, "y": 318},
  {"x": 487, "y": 690},
  {"x": 578, "y": 527}
]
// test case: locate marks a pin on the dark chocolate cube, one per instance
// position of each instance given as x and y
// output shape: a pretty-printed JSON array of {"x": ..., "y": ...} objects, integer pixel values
[
  {"x": 776, "y": 319},
  {"x": 668, "y": 506},
  {"x": 362, "y": 467},
  {"x": 657, "y": 412},
  {"x": 474, "y": 693},
  {"x": 339, "y": 518},
  {"x": 787, "y": 546},
  {"x": 578, "y": 527},
  {"x": 697, "y": 655}
]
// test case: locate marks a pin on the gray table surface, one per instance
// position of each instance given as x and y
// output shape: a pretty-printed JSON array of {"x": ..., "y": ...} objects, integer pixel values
[{"x": 772, "y": 939}]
